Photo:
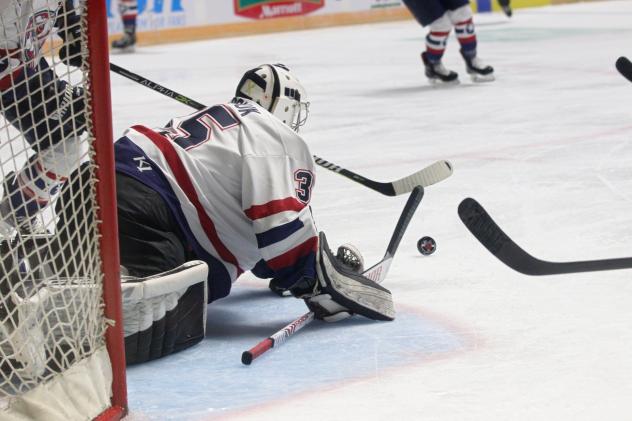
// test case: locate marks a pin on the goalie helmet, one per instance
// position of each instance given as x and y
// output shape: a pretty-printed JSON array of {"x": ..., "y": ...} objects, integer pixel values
[{"x": 277, "y": 90}]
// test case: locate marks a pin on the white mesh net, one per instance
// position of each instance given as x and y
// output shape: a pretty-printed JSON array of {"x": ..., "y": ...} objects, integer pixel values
[{"x": 51, "y": 310}]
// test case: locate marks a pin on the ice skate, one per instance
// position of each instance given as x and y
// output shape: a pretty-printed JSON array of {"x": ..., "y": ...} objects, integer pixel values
[
  {"x": 15, "y": 220},
  {"x": 437, "y": 73},
  {"x": 505, "y": 5},
  {"x": 125, "y": 44},
  {"x": 478, "y": 71}
]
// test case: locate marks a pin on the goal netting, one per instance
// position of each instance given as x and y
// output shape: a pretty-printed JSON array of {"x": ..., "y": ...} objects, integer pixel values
[{"x": 61, "y": 349}]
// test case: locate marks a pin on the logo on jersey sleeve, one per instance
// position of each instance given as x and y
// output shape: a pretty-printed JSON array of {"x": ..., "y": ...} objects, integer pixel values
[
  {"x": 304, "y": 182},
  {"x": 38, "y": 27}
]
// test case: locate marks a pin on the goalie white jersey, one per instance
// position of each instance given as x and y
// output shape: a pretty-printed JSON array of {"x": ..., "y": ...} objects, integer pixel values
[{"x": 239, "y": 183}]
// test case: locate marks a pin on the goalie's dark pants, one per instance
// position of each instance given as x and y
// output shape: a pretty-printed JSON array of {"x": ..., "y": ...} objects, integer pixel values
[{"x": 150, "y": 242}]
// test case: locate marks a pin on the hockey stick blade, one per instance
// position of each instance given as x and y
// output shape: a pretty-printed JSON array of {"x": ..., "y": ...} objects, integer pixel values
[
  {"x": 376, "y": 273},
  {"x": 490, "y": 235},
  {"x": 425, "y": 177},
  {"x": 624, "y": 66}
]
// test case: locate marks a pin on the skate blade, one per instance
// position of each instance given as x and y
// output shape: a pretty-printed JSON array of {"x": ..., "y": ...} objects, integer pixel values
[
  {"x": 476, "y": 78},
  {"x": 439, "y": 82},
  {"x": 126, "y": 50}
]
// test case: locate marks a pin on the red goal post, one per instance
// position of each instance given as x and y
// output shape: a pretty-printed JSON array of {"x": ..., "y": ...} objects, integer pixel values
[{"x": 61, "y": 328}]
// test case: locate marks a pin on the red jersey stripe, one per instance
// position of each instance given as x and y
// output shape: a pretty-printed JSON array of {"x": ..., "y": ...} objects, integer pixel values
[
  {"x": 467, "y": 39},
  {"x": 290, "y": 257},
  {"x": 439, "y": 33},
  {"x": 274, "y": 207},
  {"x": 182, "y": 177}
]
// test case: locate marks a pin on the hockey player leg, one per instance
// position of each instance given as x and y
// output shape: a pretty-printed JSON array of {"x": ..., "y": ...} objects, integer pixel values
[
  {"x": 466, "y": 34},
  {"x": 338, "y": 292},
  {"x": 164, "y": 313},
  {"x": 435, "y": 47},
  {"x": 127, "y": 43}
]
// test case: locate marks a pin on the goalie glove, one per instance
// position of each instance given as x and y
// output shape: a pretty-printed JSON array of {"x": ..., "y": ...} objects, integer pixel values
[
  {"x": 338, "y": 292},
  {"x": 347, "y": 254}
]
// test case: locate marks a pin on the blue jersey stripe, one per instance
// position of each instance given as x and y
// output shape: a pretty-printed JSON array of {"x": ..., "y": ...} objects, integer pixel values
[{"x": 278, "y": 233}]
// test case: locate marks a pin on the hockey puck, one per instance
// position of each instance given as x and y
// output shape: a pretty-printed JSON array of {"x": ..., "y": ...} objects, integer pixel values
[{"x": 426, "y": 245}]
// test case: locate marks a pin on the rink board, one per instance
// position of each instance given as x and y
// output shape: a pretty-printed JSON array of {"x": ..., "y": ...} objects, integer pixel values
[{"x": 162, "y": 22}]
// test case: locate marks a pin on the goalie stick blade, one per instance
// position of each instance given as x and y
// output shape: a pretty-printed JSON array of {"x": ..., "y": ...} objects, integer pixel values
[
  {"x": 490, "y": 235},
  {"x": 624, "y": 66}
]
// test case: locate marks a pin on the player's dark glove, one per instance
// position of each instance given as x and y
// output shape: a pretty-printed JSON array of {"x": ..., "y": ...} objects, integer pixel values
[
  {"x": 338, "y": 292},
  {"x": 275, "y": 286},
  {"x": 69, "y": 25},
  {"x": 46, "y": 111}
]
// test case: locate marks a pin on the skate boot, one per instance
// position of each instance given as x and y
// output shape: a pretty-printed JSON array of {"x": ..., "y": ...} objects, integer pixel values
[
  {"x": 506, "y": 6},
  {"x": 437, "y": 73},
  {"x": 125, "y": 44},
  {"x": 478, "y": 71}
]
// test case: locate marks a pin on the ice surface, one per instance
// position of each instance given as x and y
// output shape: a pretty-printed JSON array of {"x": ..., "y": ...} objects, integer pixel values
[{"x": 546, "y": 148}]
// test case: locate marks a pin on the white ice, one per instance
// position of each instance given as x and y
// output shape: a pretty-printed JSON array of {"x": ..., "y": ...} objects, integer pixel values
[{"x": 546, "y": 148}]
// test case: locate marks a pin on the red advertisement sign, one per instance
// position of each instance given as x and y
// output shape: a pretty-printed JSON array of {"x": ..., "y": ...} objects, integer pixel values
[{"x": 269, "y": 9}]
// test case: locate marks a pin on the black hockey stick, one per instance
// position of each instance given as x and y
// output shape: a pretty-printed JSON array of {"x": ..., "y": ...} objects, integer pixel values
[
  {"x": 478, "y": 221},
  {"x": 376, "y": 273},
  {"x": 624, "y": 66},
  {"x": 425, "y": 177}
]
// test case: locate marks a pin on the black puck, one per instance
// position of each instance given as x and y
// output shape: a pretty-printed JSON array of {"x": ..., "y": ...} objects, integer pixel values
[{"x": 426, "y": 245}]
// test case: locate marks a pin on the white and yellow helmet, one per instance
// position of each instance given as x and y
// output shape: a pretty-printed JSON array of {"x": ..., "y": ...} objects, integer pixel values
[{"x": 277, "y": 90}]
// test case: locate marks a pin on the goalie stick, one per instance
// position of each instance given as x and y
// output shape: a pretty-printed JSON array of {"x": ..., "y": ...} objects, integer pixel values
[
  {"x": 624, "y": 66},
  {"x": 376, "y": 273},
  {"x": 425, "y": 177},
  {"x": 478, "y": 221}
]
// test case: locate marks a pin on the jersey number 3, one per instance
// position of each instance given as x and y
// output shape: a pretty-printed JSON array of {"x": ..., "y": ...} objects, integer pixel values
[{"x": 305, "y": 182}]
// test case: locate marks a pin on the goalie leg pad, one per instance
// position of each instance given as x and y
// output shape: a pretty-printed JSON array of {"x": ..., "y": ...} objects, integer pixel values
[{"x": 164, "y": 313}]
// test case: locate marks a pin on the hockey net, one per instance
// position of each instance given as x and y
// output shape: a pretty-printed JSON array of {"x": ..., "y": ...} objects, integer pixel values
[{"x": 61, "y": 348}]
